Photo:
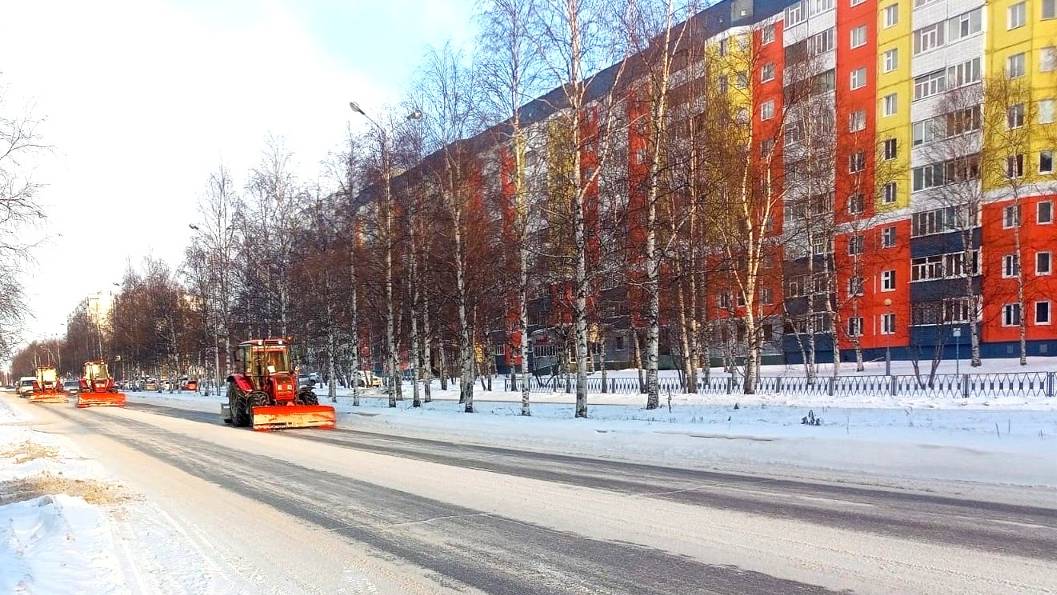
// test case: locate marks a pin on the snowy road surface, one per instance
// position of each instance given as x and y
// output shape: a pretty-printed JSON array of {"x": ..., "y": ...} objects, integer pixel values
[{"x": 355, "y": 511}]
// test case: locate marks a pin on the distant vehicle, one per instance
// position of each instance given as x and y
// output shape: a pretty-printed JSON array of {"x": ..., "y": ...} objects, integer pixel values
[
  {"x": 366, "y": 378},
  {"x": 167, "y": 385},
  {"x": 25, "y": 386},
  {"x": 305, "y": 380},
  {"x": 150, "y": 385},
  {"x": 191, "y": 385},
  {"x": 71, "y": 387}
]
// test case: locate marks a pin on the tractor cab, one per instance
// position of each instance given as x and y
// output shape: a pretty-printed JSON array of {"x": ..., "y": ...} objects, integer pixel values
[{"x": 263, "y": 359}]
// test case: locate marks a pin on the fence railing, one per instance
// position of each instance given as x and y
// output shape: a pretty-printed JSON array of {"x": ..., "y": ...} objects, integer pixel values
[{"x": 986, "y": 385}]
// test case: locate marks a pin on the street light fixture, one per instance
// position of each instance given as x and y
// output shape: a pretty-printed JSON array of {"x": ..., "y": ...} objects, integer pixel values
[{"x": 387, "y": 176}]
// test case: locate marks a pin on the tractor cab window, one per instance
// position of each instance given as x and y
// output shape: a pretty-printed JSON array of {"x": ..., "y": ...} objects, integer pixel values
[
  {"x": 96, "y": 370},
  {"x": 266, "y": 360}
]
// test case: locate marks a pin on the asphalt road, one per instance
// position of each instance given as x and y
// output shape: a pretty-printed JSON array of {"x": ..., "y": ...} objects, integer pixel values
[{"x": 466, "y": 517}]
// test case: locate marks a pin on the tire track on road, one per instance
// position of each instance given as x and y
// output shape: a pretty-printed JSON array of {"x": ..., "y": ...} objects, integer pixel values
[
  {"x": 991, "y": 526},
  {"x": 462, "y": 546}
]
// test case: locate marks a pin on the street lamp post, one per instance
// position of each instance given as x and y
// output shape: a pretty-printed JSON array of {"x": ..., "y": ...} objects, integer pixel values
[{"x": 387, "y": 173}]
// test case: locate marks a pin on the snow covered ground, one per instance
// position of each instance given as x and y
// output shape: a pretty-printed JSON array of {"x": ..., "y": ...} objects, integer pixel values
[
  {"x": 56, "y": 534},
  {"x": 68, "y": 526},
  {"x": 971, "y": 440}
]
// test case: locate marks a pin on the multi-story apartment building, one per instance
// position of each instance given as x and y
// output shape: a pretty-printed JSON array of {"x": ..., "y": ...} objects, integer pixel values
[{"x": 911, "y": 149}]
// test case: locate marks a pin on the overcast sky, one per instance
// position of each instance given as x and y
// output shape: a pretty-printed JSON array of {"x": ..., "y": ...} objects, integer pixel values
[{"x": 143, "y": 98}]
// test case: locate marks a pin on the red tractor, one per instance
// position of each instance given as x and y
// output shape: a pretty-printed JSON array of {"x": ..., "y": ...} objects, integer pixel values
[
  {"x": 97, "y": 387},
  {"x": 263, "y": 392}
]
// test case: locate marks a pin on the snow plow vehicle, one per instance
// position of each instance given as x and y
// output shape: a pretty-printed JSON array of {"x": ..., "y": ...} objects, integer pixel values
[
  {"x": 263, "y": 392},
  {"x": 97, "y": 387},
  {"x": 46, "y": 387}
]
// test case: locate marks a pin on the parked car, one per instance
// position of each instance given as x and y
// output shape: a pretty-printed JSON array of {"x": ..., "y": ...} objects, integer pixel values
[
  {"x": 25, "y": 386},
  {"x": 304, "y": 380},
  {"x": 72, "y": 387},
  {"x": 190, "y": 384},
  {"x": 366, "y": 378},
  {"x": 150, "y": 385}
]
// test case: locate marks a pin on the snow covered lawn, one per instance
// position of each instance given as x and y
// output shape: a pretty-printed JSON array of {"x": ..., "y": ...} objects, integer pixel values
[{"x": 996, "y": 441}]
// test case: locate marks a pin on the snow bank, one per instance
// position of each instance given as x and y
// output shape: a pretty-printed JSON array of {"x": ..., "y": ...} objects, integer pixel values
[
  {"x": 52, "y": 540},
  {"x": 57, "y": 544}
]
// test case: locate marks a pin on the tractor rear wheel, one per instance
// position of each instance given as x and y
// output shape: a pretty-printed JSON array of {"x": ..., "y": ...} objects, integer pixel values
[{"x": 240, "y": 412}]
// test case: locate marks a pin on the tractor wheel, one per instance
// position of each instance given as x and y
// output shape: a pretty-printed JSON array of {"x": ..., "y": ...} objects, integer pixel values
[
  {"x": 240, "y": 413},
  {"x": 307, "y": 397},
  {"x": 258, "y": 398}
]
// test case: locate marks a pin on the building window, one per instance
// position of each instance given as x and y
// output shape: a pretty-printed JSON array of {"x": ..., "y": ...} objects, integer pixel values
[
  {"x": 768, "y": 34},
  {"x": 723, "y": 84},
  {"x": 857, "y": 121},
  {"x": 930, "y": 84},
  {"x": 1042, "y": 313},
  {"x": 855, "y": 2},
  {"x": 855, "y": 245},
  {"x": 821, "y": 43},
  {"x": 855, "y": 286},
  {"x": 1011, "y": 315},
  {"x": 888, "y": 105},
  {"x": 855, "y": 326},
  {"x": 1011, "y": 216},
  {"x": 888, "y": 193},
  {"x": 891, "y": 14},
  {"x": 724, "y": 300},
  {"x": 742, "y": 80},
  {"x": 1043, "y": 263},
  {"x": 795, "y": 14},
  {"x": 888, "y": 237},
  {"x": 928, "y": 38},
  {"x": 723, "y": 46},
  {"x": 1046, "y": 109},
  {"x": 1048, "y": 59},
  {"x": 888, "y": 324},
  {"x": 855, "y": 205},
  {"x": 858, "y": 78},
  {"x": 891, "y": 59},
  {"x": 766, "y": 298},
  {"x": 1010, "y": 266},
  {"x": 1015, "y": 166},
  {"x": 858, "y": 36},
  {"x": 889, "y": 151},
  {"x": 1044, "y": 212},
  {"x": 1016, "y": 15},
  {"x": 1015, "y": 66},
  {"x": 1015, "y": 116},
  {"x": 963, "y": 73},
  {"x": 888, "y": 280},
  {"x": 1049, "y": 9},
  {"x": 767, "y": 72},
  {"x": 1045, "y": 162},
  {"x": 857, "y": 162},
  {"x": 767, "y": 110}
]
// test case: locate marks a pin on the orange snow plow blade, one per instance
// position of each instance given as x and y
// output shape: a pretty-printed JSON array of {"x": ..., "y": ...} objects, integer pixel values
[
  {"x": 278, "y": 417},
  {"x": 47, "y": 398},
  {"x": 101, "y": 400}
]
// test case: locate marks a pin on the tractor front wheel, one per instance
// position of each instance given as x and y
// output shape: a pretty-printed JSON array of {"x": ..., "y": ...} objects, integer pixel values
[{"x": 308, "y": 397}]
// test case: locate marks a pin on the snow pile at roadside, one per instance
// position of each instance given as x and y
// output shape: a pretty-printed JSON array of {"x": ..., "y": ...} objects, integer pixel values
[{"x": 55, "y": 533}]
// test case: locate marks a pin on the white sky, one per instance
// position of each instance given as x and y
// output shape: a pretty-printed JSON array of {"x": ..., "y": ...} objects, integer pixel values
[{"x": 143, "y": 98}]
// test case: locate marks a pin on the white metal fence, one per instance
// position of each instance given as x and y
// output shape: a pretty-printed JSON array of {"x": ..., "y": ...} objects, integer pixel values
[{"x": 986, "y": 385}]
